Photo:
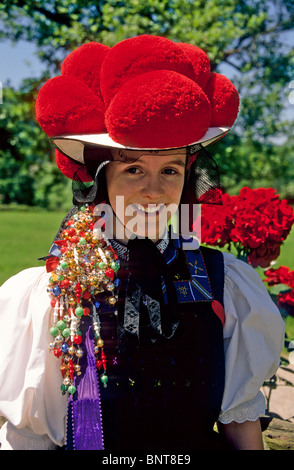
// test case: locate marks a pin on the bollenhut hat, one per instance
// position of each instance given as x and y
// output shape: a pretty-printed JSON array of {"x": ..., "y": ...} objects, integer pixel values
[{"x": 146, "y": 92}]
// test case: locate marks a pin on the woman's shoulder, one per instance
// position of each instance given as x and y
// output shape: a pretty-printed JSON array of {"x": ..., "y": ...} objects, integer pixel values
[
  {"x": 30, "y": 279},
  {"x": 239, "y": 274}
]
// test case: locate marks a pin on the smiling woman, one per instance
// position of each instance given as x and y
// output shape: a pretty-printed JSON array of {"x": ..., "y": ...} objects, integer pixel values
[
  {"x": 153, "y": 340},
  {"x": 149, "y": 185}
]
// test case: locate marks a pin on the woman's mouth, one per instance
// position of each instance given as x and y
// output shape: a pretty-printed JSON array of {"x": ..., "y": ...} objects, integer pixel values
[{"x": 148, "y": 208}]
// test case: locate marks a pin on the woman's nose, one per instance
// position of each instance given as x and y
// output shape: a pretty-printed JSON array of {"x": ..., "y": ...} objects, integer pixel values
[{"x": 152, "y": 188}]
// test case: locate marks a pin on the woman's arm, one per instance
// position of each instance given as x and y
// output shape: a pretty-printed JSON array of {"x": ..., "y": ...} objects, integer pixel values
[{"x": 243, "y": 436}]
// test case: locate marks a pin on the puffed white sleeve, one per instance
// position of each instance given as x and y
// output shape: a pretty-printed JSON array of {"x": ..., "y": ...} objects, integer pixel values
[
  {"x": 30, "y": 396},
  {"x": 253, "y": 339}
]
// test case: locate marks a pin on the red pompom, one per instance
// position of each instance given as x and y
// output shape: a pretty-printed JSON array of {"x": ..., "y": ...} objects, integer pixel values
[
  {"x": 72, "y": 169},
  {"x": 85, "y": 63},
  {"x": 156, "y": 93},
  {"x": 224, "y": 100},
  {"x": 158, "y": 109},
  {"x": 137, "y": 55},
  {"x": 200, "y": 62},
  {"x": 65, "y": 105}
]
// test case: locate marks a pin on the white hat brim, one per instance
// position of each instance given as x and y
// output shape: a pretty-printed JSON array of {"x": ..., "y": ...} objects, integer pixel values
[{"x": 73, "y": 145}]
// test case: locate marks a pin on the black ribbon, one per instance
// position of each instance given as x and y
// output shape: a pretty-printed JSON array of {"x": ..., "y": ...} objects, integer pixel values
[{"x": 144, "y": 313}]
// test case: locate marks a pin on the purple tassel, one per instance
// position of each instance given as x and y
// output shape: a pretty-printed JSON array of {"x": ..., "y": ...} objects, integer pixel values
[{"x": 84, "y": 429}]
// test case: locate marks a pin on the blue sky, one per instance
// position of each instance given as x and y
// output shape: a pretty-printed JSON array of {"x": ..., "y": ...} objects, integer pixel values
[{"x": 18, "y": 61}]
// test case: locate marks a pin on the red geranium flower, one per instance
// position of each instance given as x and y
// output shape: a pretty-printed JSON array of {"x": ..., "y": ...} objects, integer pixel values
[{"x": 256, "y": 222}]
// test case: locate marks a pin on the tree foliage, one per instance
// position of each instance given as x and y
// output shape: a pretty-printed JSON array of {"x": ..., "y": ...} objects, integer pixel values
[
  {"x": 28, "y": 174},
  {"x": 246, "y": 39}
]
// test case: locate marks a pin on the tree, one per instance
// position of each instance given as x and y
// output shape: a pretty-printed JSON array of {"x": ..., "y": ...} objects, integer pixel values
[
  {"x": 28, "y": 174},
  {"x": 247, "y": 37}
]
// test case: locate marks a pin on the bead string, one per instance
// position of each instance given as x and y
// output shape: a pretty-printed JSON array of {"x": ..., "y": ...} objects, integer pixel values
[{"x": 85, "y": 270}]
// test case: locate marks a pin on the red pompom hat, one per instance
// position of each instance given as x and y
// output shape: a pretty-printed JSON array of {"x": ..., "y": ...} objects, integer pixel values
[{"x": 147, "y": 92}]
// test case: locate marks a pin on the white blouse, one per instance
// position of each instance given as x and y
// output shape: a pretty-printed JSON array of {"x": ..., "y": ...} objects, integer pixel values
[{"x": 30, "y": 397}]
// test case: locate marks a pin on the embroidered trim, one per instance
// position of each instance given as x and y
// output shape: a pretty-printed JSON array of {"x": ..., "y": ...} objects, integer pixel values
[{"x": 248, "y": 411}]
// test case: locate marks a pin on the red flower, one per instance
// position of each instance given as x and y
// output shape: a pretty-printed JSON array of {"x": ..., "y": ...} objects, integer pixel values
[
  {"x": 287, "y": 297},
  {"x": 281, "y": 275},
  {"x": 264, "y": 254},
  {"x": 284, "y": 276},
  {"x": 257, "y": 222}
]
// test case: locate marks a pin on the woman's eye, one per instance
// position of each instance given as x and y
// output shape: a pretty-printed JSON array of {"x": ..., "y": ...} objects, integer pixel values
[
  {"x": 169, "y": 171},
  {"x": 133, "y": 170}
]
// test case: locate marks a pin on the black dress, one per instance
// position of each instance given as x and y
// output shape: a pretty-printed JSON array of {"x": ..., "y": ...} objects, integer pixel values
[{"x": 166, "y": 394}]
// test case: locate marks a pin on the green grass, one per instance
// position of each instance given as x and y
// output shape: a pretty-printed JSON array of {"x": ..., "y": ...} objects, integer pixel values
[{"x": 25, "y": 236}]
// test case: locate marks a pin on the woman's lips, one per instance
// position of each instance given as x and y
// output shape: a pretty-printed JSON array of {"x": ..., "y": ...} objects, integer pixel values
[{"x": 147, "y": 209}]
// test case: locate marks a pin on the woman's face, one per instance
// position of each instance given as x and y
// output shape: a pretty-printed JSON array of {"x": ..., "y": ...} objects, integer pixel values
[{"x": 145, "y": 189}]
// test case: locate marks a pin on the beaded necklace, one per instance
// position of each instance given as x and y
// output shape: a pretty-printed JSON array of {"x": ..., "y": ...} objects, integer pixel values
[{"x": 83, "y": 272}]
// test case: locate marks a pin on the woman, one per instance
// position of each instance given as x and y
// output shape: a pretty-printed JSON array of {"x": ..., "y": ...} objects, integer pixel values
[{"x": 181, "y": 336}]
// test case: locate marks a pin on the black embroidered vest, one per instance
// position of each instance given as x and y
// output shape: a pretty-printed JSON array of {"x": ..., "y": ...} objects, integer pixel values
[{"x": 166, "y": 395}]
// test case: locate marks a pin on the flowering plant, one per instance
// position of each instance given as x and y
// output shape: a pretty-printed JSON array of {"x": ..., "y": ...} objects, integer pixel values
[
  {"x": 256, "y": 222},
  {"x": 281, "y": 285}
]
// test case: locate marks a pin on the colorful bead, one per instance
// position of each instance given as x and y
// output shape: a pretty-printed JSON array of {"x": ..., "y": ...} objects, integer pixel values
[
  {"x": 72, "y": 389},
  {"x": 71, "y": 350},
  {"x": 79, "y": 311},
  {"x": 60, "y": 325},
  {"x": 56, "y": 291},
  {"x": 57, "y": 352},
  {"x": 86, "y": 311},
  {"x": 77, "y": 339},
  {"x": 63, "y": 388},
  {"x": 115, "y": 266},
  {"x": 104, "y": 380},
  {"x": 54, "y": 331},
  {"x": 112, "y": 300},
  {"x": 59, "y": 339},
  {"x": 66, "y": 332},
  {"x": 71, "y": 369},
  {"x": 109, "y": 272},
  {"x": 64, "y": 347},
  {"x": 86, "y": 268},
  {"x": 64, "y": 284},
  {"x": 79, "y": 353}
]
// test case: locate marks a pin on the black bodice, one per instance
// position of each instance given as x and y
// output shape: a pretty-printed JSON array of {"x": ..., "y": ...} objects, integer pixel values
[{"x": 166, "y": 394}]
